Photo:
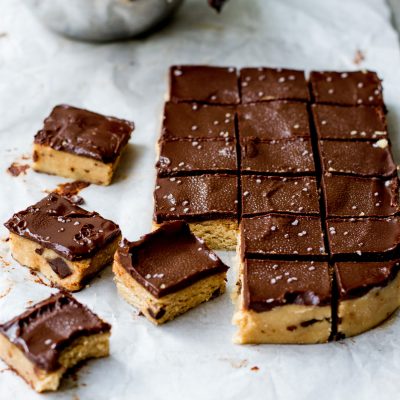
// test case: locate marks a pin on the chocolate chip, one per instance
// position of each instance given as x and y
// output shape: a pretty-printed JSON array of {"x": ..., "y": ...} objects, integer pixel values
[{"x": 60, "y": 267}]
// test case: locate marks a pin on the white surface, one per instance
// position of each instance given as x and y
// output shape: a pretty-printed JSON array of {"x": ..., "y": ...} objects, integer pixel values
[{"x": 192, "y": 357}]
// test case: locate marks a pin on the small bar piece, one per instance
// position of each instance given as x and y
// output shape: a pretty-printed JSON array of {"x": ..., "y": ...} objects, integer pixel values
[
  {"x": 168, "y": 272},
  {"x": 346, "y": 88},
  {"x": 265, "y": 194},
  {"x": 284, "y": 302},
  {"x": 266, "y": 84},
  {"x": 204, "y": 84},
  {"x": 80, "y": 144},
  {"x": 209, "y": 203},
  {"x": 369, "y": 293},
  {"x": 351, "y": 196},
  {"x": 274, "y": 120},
  {"x": 51, "y": 337},
  {"x": 64, "y": 242}
]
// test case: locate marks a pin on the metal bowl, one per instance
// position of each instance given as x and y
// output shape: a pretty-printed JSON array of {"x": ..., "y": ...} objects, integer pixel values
[{"x": 102, "y": 20}]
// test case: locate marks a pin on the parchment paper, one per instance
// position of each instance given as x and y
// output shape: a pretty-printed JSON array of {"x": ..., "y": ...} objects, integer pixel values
[{"x": 192, "y": 357}]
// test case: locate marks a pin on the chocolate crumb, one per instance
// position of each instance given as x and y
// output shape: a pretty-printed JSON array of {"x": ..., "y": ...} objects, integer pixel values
[
  {"x": 16, "y": 169},
  {"x": 70, "y": 190},
  {"x": 216, "y": 4},
  {"x": 255, "y": 368}
]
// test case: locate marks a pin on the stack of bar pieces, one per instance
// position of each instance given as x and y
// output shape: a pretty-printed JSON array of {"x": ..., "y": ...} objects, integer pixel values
[{"x": 303, "y": 171}]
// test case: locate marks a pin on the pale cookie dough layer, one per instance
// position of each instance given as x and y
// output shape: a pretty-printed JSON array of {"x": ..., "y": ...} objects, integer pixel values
[
  {"x": 23, "y": 251},
  {"x": 361, "y": 314},
  {"x": 69, "y": 165},
  {"x": 85, "y": 347},
  {"x": 218, "y": 234},
  {"x": 160, "y": 310}
]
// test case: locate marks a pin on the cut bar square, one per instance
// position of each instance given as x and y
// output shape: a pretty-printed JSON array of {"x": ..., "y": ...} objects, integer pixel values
[
  {"x": 51, "y": 337},
  {"x": 266, "y": 84},
  {"x": 168, "y": 272},
  {"x": 80, "y": 144},
  {"x": 64, "y": 242},
  {"x": 204, "y": 84}
]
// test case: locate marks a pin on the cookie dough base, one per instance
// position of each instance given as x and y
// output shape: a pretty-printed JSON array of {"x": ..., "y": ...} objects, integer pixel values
[
  {"x": 166, "y": 308},
  {"x": 72, "y": 166},
  {"x": 363, "y": 313},
  {"x": 23, "y": 251},
  {"x": 218, "y": 234},
  {"x": 85, "y": 347}
]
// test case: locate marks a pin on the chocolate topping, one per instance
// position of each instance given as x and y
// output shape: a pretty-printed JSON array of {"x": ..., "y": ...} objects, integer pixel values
[
  {"x": 169, "y": 259},
  {"x": 57, "y": 224},
  {"x": 350, "y": 196},
  {"x": 357, "y": 158},
  {"x": 355, "y": 279},
  {"x": 282, "y": 157},
  {"x": 198, "y": 121},
  {"x": 264, "y": 194},
  {"x": 335, "y": 122},
  {"x": 85, "y": 133},
  {"x": 190, "y": 157},
  {"x": 363, "y": 238},
  {"x": 205, "y": 84},
  {"x": 43, "y": 331},
  {"x": 268, "y": 284},
  {"x": 265, "y": 84},
  {"x": 273, "y": 120},
  {"x": 346, "y": 88},
  {"x": 196, "y": 198},
  {"x": 282, "y": 235}
]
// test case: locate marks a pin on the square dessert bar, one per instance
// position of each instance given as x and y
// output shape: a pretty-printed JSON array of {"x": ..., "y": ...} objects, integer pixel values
[
  {"x": 368, "y": 293},
  {"x": 204, "y": 84},
  {"x": 51, "y": 337},
  {"x": 349, "y": 123},
  {"x": 265, "y": 84},
  {"x": 265, "y": 194},
  {"x": 274, "y": 120},
  {"x": 352, "y": 196},
  {"x": 362, "y": 158},
  {"x": 284, "y": 302},
  {"x": 346, "y": 88},
  {"x": 80, "y": 144},
  {"x": 64, "y": 242},
  {"x": 208, "y": 202},
  {"x": 168, "y": 272},
  {"x": 198, "y": 121}
]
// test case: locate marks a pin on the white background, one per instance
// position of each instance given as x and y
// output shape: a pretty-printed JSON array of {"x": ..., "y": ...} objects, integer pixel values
[{"x": 192, "y": 357}]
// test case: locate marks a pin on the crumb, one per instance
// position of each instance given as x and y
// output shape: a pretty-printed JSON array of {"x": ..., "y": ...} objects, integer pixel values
[
  {"x": 359, "y": 57},
  {"x": 216, "y": 4},
  {"x": 255, "y": 368},
  {"x": 16, "y": 169},
  {"x": 6, "y": 292},
  {"x": 3, "y": 34},
  {"x": 236, "y": 363},
  {"x": 70, "y": 190}
]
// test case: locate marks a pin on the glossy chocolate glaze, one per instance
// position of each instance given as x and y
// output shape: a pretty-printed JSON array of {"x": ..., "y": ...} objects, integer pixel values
[
  {"x": 59, "y": 225},
  {"x": 169, "y": 259},
  {"x": 268, "y": 284},
  {"x": 85, "y": 133},
  {"x": 44, "y": 330}
]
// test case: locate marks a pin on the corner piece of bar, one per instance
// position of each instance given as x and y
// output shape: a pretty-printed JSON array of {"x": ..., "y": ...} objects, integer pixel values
[
  {"x": 167, "y": 272},
  {"x": 51, "y": 337}
]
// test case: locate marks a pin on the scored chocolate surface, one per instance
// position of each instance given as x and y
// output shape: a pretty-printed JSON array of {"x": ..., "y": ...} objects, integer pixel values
[
  {"x": 205, "y": 84},
  {"x": 44, "y": 330},
  {"x": 282, "y": 157},
  {"x": 273, "y": 120},
  {"x": 169, "y": 259},
  {"x": 264, "y": 194},
  {"x": 372, "y": 158},
  {"x": 198, "y": 121},
  {"x": 57, "y": 224},
  {"x": 363, "y": 238},
  {"x": 268, "y": 284},
  {"x": 282, "y": 235},
  {"x": 350, "y": 196},
  {"x": 346, "y": 88},
  {"x": 85, "y": 133},
  {"x": 335, "y": 122},
  {"x": 265, "y": 84},
  {"x": 355, "y": 279},
  {"x": 196, "y": 198},
  {"x": 180, "y": 157}
]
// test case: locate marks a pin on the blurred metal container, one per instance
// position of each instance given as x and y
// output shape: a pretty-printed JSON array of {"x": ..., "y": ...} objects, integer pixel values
[{"x": 102, "y": 20}]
